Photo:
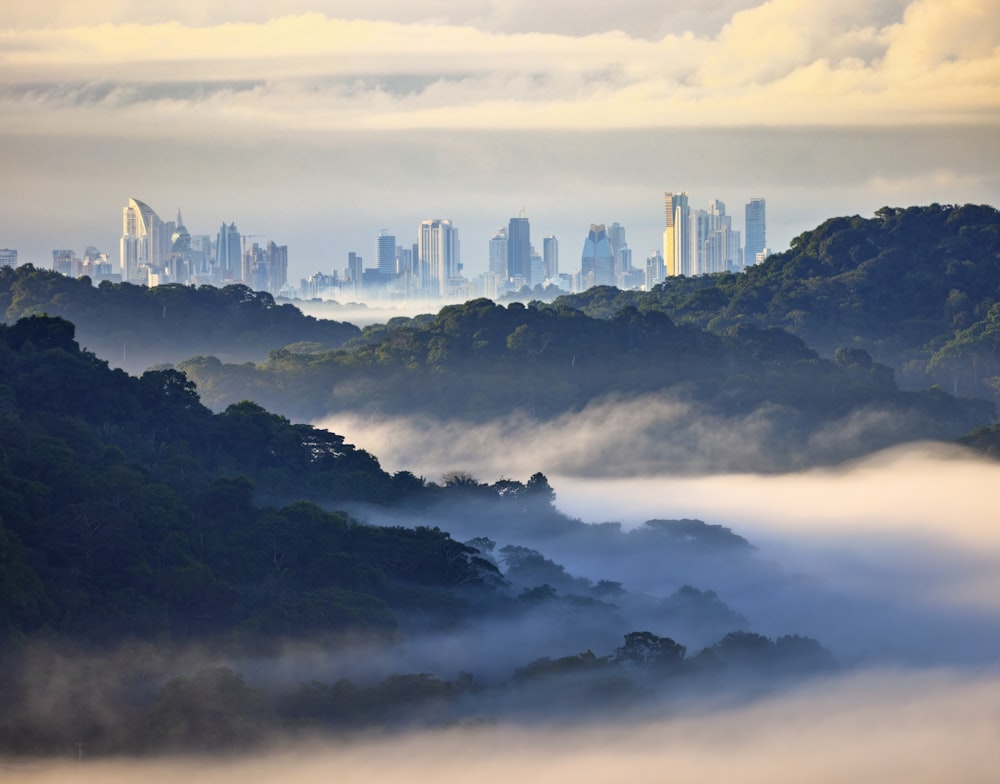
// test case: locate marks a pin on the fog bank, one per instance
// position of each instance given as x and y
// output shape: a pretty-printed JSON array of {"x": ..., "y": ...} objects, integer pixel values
[{"x": 932, "y": 726}]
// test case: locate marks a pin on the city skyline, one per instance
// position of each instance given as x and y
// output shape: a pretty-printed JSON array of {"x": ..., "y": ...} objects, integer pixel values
[{"x": 349, "y": 119}]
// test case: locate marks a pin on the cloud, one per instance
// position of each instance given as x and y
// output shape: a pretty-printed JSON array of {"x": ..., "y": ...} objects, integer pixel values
[{"x": 784, "y": 61}]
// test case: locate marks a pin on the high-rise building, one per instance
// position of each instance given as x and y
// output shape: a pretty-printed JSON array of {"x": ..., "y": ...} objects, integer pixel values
[
  {"x": 550, "y": 254},
  {"x": 597, "y": 262},
  {"x": 277, "y": 262},
  {"x": 385, "y": 253},
  {"x": 8, "y": 257},
  {"x": 63, "y": 263},
  {"x": 654, "y": 269},
  {"x": 519, "y": 250},
  {"x": 355, "y": 267},
  {"x": 756, "y": 230},
  {"x": 142, "y": 242},
  {"x": 439, "y": 255},
  {"x": 228, "y": 254},
  {"x": 498, "y": 253},
  {"x": 676, "y": 235}
]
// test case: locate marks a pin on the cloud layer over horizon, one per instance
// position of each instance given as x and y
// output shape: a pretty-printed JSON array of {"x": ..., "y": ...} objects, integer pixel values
[
  {"x": 780, "y": 62},
  {"x": 319, "y": 125}
]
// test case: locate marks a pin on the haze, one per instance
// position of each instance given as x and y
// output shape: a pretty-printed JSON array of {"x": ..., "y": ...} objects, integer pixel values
[{"x": 353, "y": 117}]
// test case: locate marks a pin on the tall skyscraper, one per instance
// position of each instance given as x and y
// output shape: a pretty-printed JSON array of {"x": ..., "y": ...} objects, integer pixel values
[
  {"x": 355, "y": 267},
  {"x": 597, "y": 262},
  {"x": 550, "y": 254},
  {"x": 228, "y": 254},
  {"x": 385, "y": 253},
  {"x": 63, "y": 263},
  {"x": 676, "y": 235},
  {"x": 498, "y": 253},
  {"x": 756, "y": 230},
  {"x": 519, "y": 249},
  {"x": 142, "y": 242},
  {"x": 654, "y": 269},
  {"x": 277, "y": 262},
  {"x": 439, "y": 254},
  {"x": 8, "y": 257}
]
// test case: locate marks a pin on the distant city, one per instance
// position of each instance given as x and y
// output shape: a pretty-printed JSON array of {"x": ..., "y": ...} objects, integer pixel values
[{"x": 154, "y": 252}]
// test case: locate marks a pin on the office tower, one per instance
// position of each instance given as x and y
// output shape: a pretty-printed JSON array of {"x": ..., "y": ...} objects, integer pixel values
[
  {"x": 597, "y": 262},
  {"x": 385, "y": 253},
  {"x": 550, "y": 254},
  {"x": 623, "y": 255},
  {"x": 676, "y": 235},
  {"x": 404, "y": 261},
  {"x": 355, "y": 267},
  {"x": 62, "y": 262},
  {"x": 228, "y": 254},
  {"x": 537, "y": 268},
  {"x": 8, "y": 257},
  {"x": 654, "y": 269},
  {"x": 498, "y": 253},
  {"x": 277, "y": 264},
  {"x": 756, "y": 230},
  {"x": 519, "y": 250},
  {"x": 253, "y": 268},
  {"x": 142, "y": 241},
  {"x": 439, "y": 254}
]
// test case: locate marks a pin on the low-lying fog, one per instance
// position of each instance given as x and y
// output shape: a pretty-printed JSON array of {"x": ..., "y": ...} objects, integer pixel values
[
  {"x": 879, "y": 726},
  {"x": 892, "y": 559},
  {"x": 892, "y": 563}
]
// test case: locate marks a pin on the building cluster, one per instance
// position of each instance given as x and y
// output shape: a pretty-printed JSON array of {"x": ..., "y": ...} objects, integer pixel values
[
  {"x": 154, "y": 251},
  {"x": 695, "y": 242},
  {"x": 702, "y": 242}
]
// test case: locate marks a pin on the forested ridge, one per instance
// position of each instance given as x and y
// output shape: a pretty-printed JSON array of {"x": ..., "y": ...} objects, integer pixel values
[
  {"x": 917, "y": 287},
  {"x": 135, "y": 327},
  {"x": 145, "y": 541},
  {"x": 480, "y": 361}
]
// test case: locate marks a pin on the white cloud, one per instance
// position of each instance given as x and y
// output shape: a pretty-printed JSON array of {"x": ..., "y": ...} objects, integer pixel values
[{"x": 784, "y": 61}]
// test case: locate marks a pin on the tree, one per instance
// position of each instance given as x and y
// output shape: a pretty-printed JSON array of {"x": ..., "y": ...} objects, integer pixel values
[{"x": 647, "y": 650}]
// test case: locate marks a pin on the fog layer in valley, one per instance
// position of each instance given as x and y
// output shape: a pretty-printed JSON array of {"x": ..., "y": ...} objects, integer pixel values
[
  {"x": 651, "y": 435},
  {"x": 890, "y": 559},
  {"x": 879, "y": 726}
]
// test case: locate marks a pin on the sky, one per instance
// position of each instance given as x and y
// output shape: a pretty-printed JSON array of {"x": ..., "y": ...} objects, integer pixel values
[{"x": 317, "y": 124}]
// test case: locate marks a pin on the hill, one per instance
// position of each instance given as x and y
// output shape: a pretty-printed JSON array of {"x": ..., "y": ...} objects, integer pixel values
[
  {"x": 135, "y": 327},
  {"x": 480, "y": 361},
  {"x": 917, "y": 287}
]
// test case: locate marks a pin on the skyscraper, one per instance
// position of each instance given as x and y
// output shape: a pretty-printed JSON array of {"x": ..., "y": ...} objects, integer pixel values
[
  {"x": 228, "y": 254},
  {"x": 385, "y": 253},
  {"x": 756, "y": 230},
  {"x": 676, "y": 235},
  {"x": 498, "y": 253},
  {"x": 654, "y": 269},
  {"x": 597, "y": 262},
  {"x": 355, "y": 267},
  {"x": 439, "y": 254},
  {"x": 519, "y": 249},
  {"x": 142, "y": 242},
  {"x": 550, "y": 253}
]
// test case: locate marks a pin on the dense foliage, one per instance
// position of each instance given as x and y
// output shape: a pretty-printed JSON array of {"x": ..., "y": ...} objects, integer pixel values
[
  {"x": 135, "y": 327},
  {"x": 128, "y": 508},
  {"x": 918, "y": 288},
  {"x": 137, "y": 528},
  {"x": 480, "y": 360}
]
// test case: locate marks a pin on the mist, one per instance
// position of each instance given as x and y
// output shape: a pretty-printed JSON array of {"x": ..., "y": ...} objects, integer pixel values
[
  {"x": 878, "y": 726},
  {"x": 645, "y": 436},
  {"x": 889, "y": 563}
]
